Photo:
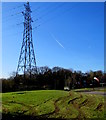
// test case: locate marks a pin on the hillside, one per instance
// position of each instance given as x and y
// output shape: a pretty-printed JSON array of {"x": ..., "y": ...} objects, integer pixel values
[{"x": 51, "y": 104}]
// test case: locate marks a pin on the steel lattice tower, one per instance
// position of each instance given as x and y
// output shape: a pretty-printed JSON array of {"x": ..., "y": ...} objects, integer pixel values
[{"x": 27, "y": 62}]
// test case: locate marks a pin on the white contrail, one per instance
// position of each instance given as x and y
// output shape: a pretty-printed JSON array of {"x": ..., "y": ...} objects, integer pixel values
[{"x": 57, "y": 41}]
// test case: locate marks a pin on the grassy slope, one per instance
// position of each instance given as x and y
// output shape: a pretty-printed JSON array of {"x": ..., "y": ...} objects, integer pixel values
[
  {"x": 53, "y": 104},
  {"x": 0, "y": 102}
]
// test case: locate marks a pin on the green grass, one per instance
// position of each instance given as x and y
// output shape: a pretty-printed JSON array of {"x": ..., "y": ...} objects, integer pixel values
[
  {"x": 53, "y": 104},
  {"x": 0, "y": 102}
]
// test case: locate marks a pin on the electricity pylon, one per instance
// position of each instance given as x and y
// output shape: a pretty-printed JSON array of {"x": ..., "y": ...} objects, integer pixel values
[{"x": 27, "y": 61}]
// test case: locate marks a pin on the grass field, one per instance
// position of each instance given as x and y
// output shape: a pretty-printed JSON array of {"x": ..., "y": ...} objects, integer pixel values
[{"x": 51, "y": 104}]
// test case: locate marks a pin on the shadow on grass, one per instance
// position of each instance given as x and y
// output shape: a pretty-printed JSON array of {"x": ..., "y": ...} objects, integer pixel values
[{"x": 26, "y": 117}]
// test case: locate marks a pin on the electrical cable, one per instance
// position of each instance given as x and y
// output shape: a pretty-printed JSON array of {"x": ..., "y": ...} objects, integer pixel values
[{"x": 54, "y": 17}]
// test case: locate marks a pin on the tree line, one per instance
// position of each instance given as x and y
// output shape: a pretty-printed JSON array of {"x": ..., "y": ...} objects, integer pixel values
[{"x": 55, "y": 78}]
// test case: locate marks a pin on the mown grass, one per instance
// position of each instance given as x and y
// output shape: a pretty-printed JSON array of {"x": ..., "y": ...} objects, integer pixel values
[
  {"x": 39, "y": 102},
  {"x": 53, "y": 104}
]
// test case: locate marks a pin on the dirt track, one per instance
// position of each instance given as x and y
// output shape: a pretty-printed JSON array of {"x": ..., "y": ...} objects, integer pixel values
[{"x": 93, "y": 92}]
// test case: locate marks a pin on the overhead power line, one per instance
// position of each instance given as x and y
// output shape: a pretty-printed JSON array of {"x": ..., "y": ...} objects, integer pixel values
[
  {"x": 43, "y": 22},
  {"x": 16, "y": 7},
  {"x": 4, "y": 6},
  {"x": 49, "y": 11},
  {"x": 55, "y": 17},
  {"x": 6, "y": 19}
]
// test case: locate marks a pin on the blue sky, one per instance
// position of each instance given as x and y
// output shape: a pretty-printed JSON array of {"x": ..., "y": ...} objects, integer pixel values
[{"x": 70, "y": 35}]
